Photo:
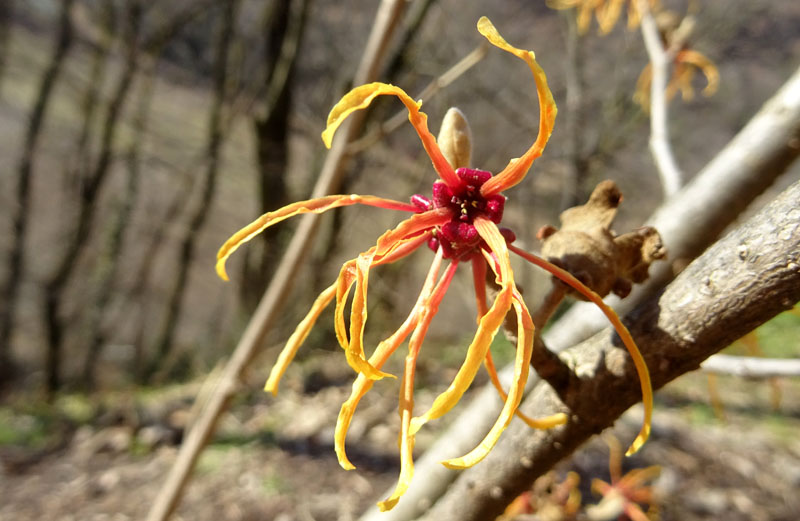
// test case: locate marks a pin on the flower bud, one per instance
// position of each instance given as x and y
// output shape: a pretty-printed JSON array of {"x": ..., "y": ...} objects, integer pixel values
[{"x": 455, "y": 139}]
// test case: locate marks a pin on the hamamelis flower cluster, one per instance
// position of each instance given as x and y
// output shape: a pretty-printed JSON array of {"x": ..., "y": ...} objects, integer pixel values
[
  {"x": 606, "y": 12},
  {"x": 459, "y": 222}
]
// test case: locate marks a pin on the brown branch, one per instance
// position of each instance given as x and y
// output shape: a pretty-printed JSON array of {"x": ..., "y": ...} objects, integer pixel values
[
  {"x": 721, "y": 296},
  {"x": 387, "y": 18},
  {"x": 688, "y": 223},
  {"x": 692, "y": 219}
]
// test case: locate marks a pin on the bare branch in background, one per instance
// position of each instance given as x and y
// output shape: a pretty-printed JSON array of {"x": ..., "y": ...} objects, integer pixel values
[
  {"x": 387, "y": 18},
  {"x": 751, "y": 366},
  {"x": 284, "y": 23},
  {"x": 576, "y": 165},
  {"x": 660, "y": 60},
  {"x": 718, "y": 298},
  {"x": 688, "y": 222}
]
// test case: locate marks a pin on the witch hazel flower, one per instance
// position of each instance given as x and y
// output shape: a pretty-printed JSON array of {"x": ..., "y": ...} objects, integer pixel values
[{"x": 459, "y": 221}]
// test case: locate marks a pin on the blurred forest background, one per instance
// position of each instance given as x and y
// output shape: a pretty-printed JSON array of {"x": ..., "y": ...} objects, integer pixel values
[{"x": 136, "y": 136}]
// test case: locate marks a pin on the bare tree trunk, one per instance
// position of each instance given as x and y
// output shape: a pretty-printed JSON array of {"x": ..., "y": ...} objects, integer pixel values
[
  {"x": 8, "y": 297},
  {"x": 6, "y": 15},
  {"x": 739, "y": 283},
  {"x": 90, "y": 189},
  {"x": 283, "y": 24},
  {"x": 91, "y": 99},
  {"x": 165, "y": 340},
  {"x": 109, "y": 269}
]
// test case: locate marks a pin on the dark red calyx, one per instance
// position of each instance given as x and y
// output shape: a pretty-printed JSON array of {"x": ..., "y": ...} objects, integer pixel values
[
  {"x": 421, "y": 202},
  {"x": 472, "y": 177},
  {"x": 494, "y": 207},
  {"x": 508, "y": 234}
]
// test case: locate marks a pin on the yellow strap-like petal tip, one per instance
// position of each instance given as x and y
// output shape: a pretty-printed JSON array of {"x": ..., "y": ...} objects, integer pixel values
[
  {"x": 221, "y": 269},
  {"x": 385, "y": 506},
  {"x": 488, "y": 30},
  {"x": 456, "y": 464},
  {"x": 271, "y": 388},
  {"x": 639, "y": 441},
  {"x": 343, "y": 461}
]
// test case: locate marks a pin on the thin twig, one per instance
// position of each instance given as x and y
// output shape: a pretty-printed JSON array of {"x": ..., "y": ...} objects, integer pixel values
[
  {"x": 386, "y": 20},
  {"x": 660, "y": 58},
  {"x": 752, "y": 366}
]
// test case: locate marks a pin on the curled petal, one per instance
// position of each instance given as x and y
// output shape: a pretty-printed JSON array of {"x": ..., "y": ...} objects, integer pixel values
[
  {"x": 608, "y": 15},
  {"x": 428, "y": 311},
  {"x": 704, "y": 64},
  {"x": 389, "y": 246},
  {"x": 622, "y": 331},
  {"x": 360, "y": 98},
  {"x": 518, "y": 168},
  {"x": 297, "y": 338},
  {"x": 547, "y": 422},
  {"x": 382, "y": 353},
  {"x": 522, "y": 364},
  {"x": 487, "y": 329},
  {"x": 406, "y": 438},
  {"x": 318, "y": 205}
]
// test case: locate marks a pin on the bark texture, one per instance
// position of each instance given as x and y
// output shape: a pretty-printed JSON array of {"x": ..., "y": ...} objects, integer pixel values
[
  {"x": 739, "y": 283},
  {"x": 688, "y": 223}
]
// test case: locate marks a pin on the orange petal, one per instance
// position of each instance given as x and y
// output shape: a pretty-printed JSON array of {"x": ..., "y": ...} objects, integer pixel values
[
  {"x": 479, "y": 281},
  {"x": 384, "y": 350},
  {"x": 360, "y": 98},
  {"x": 487, "y": 329},
  {"x": 318, "y": 205},
  {"x": 518, "y": 168},
  {"x": 548, "y": 422},
  {"x": 386, "y": 244},
  {"x": 704, "y": 64},
  {"x": 344, "y": 283},
  {"x": 521, "y": 368},
  {"x": 622, "y": 331},
  {"x": 406, "y": 437},
  {"x": 297, "y": 338},
  {"x": 608, "y": 15},
  {"x": 429, "y": 310}
]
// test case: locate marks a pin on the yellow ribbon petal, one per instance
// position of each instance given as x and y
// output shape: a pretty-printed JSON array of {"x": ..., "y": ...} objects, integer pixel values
[
  {"x": 622, "y": 331},
  {"x": 548, "y": 422},
  {"x": 428, "y": 311},
  {"x": 705, "y": 65},
  {"x": 487, "y": 329},
  {"x": 298, "y": 337},
  {"x": 518, "y": 168},
  {"x": 384, "y": 350},
  {"x": 361, "y": 97},
  {"x": 318, "y": 205},
  {"x": 521, "y": 368}
]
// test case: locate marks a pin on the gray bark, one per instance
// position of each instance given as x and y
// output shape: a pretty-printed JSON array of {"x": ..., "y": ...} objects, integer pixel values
[
  {"x": 739, "y": 283},
  {"x": 688, "y": 223}
]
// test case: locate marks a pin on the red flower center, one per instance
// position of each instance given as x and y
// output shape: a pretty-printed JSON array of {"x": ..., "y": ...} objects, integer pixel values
[{"x": 458, "y": 237}]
